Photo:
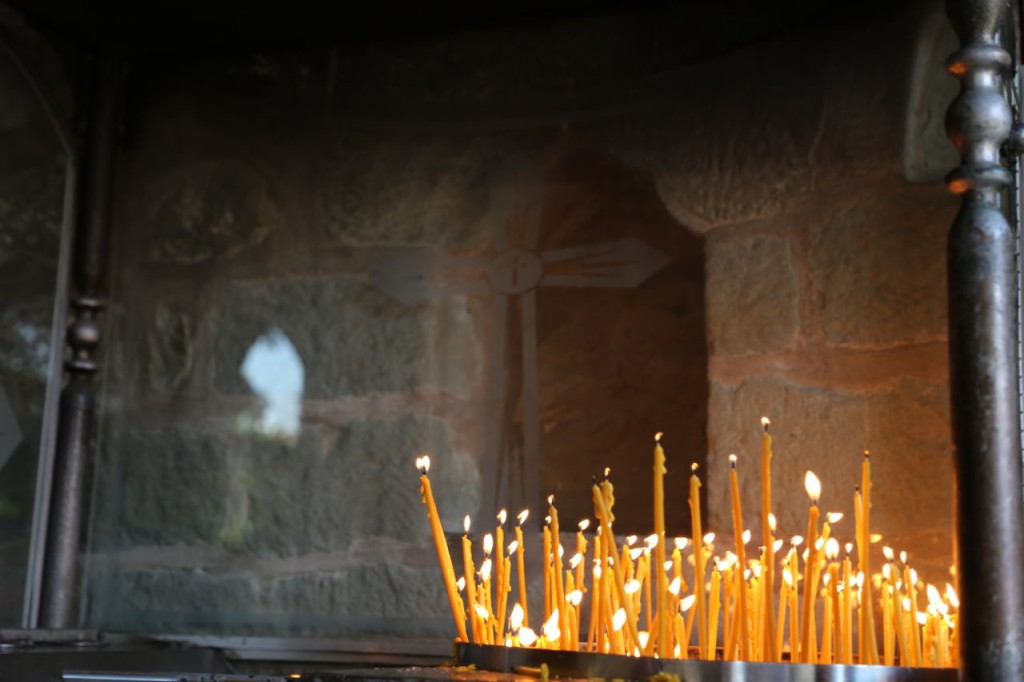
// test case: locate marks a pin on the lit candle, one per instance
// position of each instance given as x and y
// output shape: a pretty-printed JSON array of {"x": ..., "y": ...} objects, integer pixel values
[
  {"x": 741, "y": 557},
  {"x": 521, "y": 565},
  {"x": 470, "y": 572},
  {"x": 605, "y": 518},
  {"x": 581, "y": 550},
  {"x": 832, "y": 553},
  {"x": 444, "y": 558},
  {"x": 548, "y": 581},
  {"x": 698, "y": 564},
  {"x": 813, "y": 487},
  {"x": 768, "y": 608},
  {"x": 664, "y": 641},
  {"x": 506, "y": 581},
  {"x": 499, "y": 564},
  {"x": 559, "y": 598}
]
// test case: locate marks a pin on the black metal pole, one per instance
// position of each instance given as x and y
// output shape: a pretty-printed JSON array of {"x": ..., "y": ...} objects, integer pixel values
[
  {"x": 77, "y": 408},
  {"x": 982, "y": 335}
]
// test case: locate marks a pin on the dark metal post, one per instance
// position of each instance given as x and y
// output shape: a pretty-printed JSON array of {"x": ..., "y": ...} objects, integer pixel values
[
  {"x": 77, "y": 408},
  {"x": 983, "y": 355}
]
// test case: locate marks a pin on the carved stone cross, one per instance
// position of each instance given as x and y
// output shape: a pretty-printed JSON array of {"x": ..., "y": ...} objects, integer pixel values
[{"x": 512, "y": 275}]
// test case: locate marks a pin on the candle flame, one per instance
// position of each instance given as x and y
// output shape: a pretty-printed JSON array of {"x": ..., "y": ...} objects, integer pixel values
[
  {"x": 813, "y": 486},
  {"x": 746, "y": 536},
  {"x": 906, "y": 604},
  {"x": 481, "y": 613},
  {"x": 513, "y": 547},
  {"x": 561, "y": 551},
  {"x": 796, "y": 540},
  {"x": 886, "y": 571},
  {"x": 657, "y": 437},
  {"x": 952, "y": 597},
  {"x": 485, "y": 570},
  {"x": 547, "y": 520},
  {"x": 848, "y": 547},
  {"x": 461, "y": 583},
  {"x": 632, "y": 586},
  {"x": 668, "y": 565},
  {"x": 681, "y": 543},
  {"x": 597, "y": 571},
  {"x": 550, "y": 629},
  {"x": 502, "y": 516},
  {"x": 631, "y": 540},
  {"x": 576, "y": 560},
  {"x": 834, "y": 517},
  {"x": 523, "y": 515},
  {"x": 619, "y": 619},
  {"x": 732, "y": 461},
  {"x": 888, "y": 553},
  {"x": 818, "y": 544},
  {"x": 527, "y": 637},
  {"x": 636, "y": 553},
  {"x": 551, "y": 500},
  {"x": 694, "y": 467},
  {"x": 765, "y": 423},
  {"x": 787, "y": 576},
  {"x": 488, "y": 543},
  {"x": 709, "y": 538},
  {"x": 607, "y": 472},
  {"x": 687, "y": 602},
  {"x": 584, "y": 524},
  {"x": 831, "y": 549},
  {"x": 875, "y": 538},
  {"x": 644, "y": 637},
  {"x": 675, "y": 586},
  {"x": 913, "y": 578},
  {"x": 508, "y": 641},
  {"x": 515, "y": 621},
  {"x": 903, "y": 557},
  {"x": 934, "y": 598},
  {"x": 771, "y": 521},
  {"x": 651, "y": 541},
  {"x": 777, "y": 545},
  {"x": 423, "y": 464},
  {"x": 575, "y": 597},
  {"x": 922, "y": 618}
]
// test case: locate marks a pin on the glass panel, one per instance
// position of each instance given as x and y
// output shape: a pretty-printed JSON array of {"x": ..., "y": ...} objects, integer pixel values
[
  {"x": 300, "y": 309},
  {"x": 32, "y": 170}
]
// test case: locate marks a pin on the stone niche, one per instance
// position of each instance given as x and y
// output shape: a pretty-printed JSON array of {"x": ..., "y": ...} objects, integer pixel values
[{"x": 524, "y": 261}]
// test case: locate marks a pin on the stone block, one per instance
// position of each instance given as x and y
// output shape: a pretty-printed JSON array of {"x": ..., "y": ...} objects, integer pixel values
[
  {"x": 906, "y": 428},
  {"x": 351, "y": 338},
  {"x": 211, "y": 210},
  {"x": 878, "y": 266},
  {"x": 751, "y": 296},
  {"x": 173, "y": 484}
]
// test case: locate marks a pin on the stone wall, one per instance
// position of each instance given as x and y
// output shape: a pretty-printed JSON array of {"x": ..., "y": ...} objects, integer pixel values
[{"x": 344, "y": 206}]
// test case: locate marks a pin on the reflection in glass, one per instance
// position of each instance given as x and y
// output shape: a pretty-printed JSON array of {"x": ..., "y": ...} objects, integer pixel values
[{"x": 275, "y": 372}]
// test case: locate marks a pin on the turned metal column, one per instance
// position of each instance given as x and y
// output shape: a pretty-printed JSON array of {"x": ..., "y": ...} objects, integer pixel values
[
  {"x": 59, "y": 600},
  {"x": 982, "y": 350}
]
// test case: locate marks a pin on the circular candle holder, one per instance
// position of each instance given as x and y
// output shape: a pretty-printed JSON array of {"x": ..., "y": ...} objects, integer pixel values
[{"x": 578, "y": 664}]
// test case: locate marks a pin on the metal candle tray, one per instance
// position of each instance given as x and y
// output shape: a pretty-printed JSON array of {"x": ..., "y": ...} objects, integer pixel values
[{"x": 610, "y": 666}]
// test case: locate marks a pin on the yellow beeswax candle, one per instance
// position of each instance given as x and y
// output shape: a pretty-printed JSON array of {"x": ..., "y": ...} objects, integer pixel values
[
  {"x": 664, "y": 641},
  {"x": 581, "y": 550},
  {"x": 559, "y": 597},
  {"x": 713, "y": 612},
  {"x": 768, "y": 541},
  {"x": 867, "y": 603},
  {"x": 698, "y": 553},
  {"x": 521, "y": 566},
  {"x": 499, "y": 558},
  {"x": 741, "y": 557},
  {"x": 813, "y": 487},
  {"x": 846, "y": 624},
  {"x": 444, "y": 558},
  {"x": 470, "y": 574},
  {"x": 548, "y": 582}
]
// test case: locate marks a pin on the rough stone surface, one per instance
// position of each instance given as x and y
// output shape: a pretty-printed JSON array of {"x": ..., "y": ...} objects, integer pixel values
[
  {"x": 170, "y": 349},
  {"x": 359, "y": 341},
  {"x": 174, "y": 484},
  {"x": 751, "y": 294},
  {"x": 906, "y": 430},
  {"x": 181, "y": 601},
  {"x": 878, "y": 266},
  {"x": 213, "y": 209}
]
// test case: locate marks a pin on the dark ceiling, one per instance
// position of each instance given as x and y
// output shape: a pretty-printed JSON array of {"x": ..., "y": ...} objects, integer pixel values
[{"x": 190, "y": 25}]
